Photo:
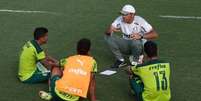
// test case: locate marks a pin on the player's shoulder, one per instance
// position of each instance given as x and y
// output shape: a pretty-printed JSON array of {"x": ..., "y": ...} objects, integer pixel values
[
  {"x": 139, "y": 18},
  {"x": 157, "y": 61},
  {"x": 119, "y": 18},
  {"x": 28, "y": 46},
  {"x": 93, "y": 58},
  {"x": 28, "y": 43},
  {"x": 36, "y": 46}
]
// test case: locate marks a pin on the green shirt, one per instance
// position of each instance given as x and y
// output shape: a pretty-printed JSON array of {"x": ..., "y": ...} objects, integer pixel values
[
  {"x": 155, "y": 76},
  {"x": 31, "y": 53},
  {"x": 69, "y": 97}
]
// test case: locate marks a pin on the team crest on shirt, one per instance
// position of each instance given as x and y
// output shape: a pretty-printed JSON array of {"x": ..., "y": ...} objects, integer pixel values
[{"x": 136, "y": 29}]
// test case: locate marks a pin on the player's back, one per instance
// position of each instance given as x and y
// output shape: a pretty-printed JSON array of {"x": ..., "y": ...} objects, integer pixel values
[
  {"x": 31, "y": 53},
  {"x": 155, "y": 77},
  {"x": 27, "y": 59}
]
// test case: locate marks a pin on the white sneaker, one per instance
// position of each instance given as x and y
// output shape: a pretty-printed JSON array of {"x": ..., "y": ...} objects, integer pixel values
[
  {"x": 45, "y": 95},
  {"x": 134, "y": 63}
]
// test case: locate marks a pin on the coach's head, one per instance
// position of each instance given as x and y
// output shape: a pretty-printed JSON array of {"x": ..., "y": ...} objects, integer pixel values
[{"x": 128, "y": 13}]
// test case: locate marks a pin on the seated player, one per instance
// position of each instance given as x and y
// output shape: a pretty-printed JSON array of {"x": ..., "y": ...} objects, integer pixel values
[
  {"x": 34, "y": 63},
  {"x": 150, "y": 80},
  {"x": 78, "y": 79}
]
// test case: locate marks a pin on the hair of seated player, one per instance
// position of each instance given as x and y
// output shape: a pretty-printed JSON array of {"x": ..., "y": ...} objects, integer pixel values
[
  {"x": 83, "y": 46},
  {"x": 151, "y": 49},
  {"x": 40, "y": 32}
]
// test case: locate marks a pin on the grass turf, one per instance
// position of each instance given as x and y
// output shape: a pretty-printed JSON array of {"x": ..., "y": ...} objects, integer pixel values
[{"x": 179, "y": 42}]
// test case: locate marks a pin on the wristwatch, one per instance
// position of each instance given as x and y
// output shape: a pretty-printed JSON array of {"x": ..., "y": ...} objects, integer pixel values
[{"x": 142, "y": 37}]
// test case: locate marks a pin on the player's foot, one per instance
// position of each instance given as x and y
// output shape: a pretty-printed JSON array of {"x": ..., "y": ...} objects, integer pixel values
[
  {"x": 45, "y": 95},
  {"x": 118, "y": 64}
]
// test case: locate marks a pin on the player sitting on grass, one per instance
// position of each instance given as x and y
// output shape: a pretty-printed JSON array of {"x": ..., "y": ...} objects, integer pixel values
[
  {"x": 150, "y": 81},
  {"x": 78, "y": 76},
  {"x": 34, "y": 63}
]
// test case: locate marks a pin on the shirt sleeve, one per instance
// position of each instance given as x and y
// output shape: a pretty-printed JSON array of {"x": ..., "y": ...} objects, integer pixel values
[
  {"x": 116, "y": 22},
  {"x": 135, "y": 70},
  {"x": 95, "y": 67},
  {"x": 145, "y": 26},
  {"x": 62, "y": 62},
  {"x": 40, "y": 55}
]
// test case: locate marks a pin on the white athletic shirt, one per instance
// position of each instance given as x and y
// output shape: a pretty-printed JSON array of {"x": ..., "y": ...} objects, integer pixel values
[{"x": 139, "y": 25}]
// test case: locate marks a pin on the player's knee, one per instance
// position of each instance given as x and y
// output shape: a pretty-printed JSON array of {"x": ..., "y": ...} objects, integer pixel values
[
  {"x": 137, "y": 43},
  {"x": 56, "y": 71}
]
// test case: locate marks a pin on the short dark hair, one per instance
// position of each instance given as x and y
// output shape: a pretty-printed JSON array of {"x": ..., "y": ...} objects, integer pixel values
[
  {"x": 150, "y": 49},
  {"x": 83, "y": 46},
  {"x": 40, "y": 32}
]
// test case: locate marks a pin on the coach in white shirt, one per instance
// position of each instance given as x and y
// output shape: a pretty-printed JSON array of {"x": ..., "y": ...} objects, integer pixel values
[{"x": 135, "y": 31}]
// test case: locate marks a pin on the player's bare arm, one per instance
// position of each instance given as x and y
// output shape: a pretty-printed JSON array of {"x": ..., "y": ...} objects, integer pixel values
[
  {"x": 111, "y": 29},
  {"x": 92, "y": 88},
  {"x": 49, "y": 58},
  {"x": 149, "y": 36},
  {"x": 48, "y": 64}
]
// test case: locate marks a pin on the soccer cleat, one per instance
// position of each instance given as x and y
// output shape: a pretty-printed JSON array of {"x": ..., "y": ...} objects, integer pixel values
[
  {"x": 45, "y": 96},
  {"x": 118, "y": 64}
]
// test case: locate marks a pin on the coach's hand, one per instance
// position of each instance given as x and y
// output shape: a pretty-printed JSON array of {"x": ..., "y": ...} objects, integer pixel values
[
  {"x": 136, "y": 36},
  {"x": 109, "y": 31}
]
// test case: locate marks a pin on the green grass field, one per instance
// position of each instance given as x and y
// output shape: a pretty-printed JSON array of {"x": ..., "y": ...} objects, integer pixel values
[{"x": 178, "y": 42}]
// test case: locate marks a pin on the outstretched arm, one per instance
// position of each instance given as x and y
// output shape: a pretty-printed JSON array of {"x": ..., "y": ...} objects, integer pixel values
[
  {"x": 49, "y": 62},
  {"x": 49, "y": 58},
  {"x": 149, "y": 36}
]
